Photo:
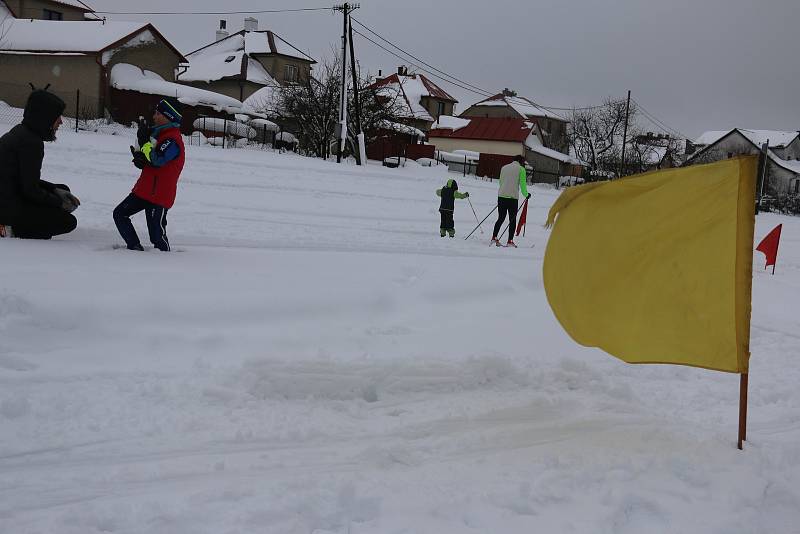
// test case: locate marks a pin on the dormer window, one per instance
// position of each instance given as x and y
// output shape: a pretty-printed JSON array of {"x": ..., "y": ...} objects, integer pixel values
[
  {"x": 290, "y": 73},
  {"x": 229, "y": 59},
  {"x": 49, "y": 14}
]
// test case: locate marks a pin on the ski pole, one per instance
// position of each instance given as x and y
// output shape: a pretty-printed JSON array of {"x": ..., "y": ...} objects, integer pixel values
[
  {"x": 475, "y": 214},
  {"x": 473, "y": 230}
]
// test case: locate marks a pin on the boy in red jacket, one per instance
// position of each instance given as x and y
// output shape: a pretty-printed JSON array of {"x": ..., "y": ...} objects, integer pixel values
[{"x": 161, "y": 157}]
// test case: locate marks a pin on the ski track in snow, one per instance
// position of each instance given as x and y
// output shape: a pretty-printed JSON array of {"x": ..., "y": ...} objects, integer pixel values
[{"x": 316, "y": 359}]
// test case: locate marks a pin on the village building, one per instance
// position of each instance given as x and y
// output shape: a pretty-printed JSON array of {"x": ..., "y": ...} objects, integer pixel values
[
  {"x": 101, "y": 69},
  {"x": 783, "y": 153},
  {"x": 501, "y": 138},
  {"x": 74, "y": 10},
  {"x": 249, "y": 61},
  {"x": 418, "y": 101},
  {"x": 553, "y": 127}
]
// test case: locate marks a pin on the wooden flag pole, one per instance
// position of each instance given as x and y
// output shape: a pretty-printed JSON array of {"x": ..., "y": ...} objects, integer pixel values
[{"x": 742, "y": 409}]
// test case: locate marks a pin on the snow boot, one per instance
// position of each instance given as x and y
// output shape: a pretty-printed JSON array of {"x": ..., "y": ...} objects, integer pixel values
[
  {"x": 441, "y": 232},
  {"x": 511, "y": 244},
  {"x": 495, "y": 242},
  {"x": 451, "y": 232}
]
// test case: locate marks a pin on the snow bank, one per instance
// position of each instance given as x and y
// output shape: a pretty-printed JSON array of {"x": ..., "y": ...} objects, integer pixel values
[{"x": 313, "y": 358}]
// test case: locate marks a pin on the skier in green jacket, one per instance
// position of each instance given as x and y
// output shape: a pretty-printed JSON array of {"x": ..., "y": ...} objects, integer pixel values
[
  {"x": 449, "y": 194},
  {"x": 512, "y": 180}
]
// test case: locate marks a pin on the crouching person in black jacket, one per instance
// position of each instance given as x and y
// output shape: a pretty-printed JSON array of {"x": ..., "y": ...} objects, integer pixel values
[{"x": 31, "y": 208}]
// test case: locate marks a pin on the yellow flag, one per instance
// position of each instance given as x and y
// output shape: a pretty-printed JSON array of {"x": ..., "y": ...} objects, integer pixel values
[{"x": 657, "y": 268}]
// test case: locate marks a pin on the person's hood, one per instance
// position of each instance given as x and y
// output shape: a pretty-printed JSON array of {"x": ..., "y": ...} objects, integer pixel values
[
  {"x": 452, "y": 184},
  {"x": 41, "y": 111}
]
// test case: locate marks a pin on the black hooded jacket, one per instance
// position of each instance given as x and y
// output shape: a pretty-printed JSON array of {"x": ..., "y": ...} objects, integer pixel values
[{"x": 21, "y": 155}]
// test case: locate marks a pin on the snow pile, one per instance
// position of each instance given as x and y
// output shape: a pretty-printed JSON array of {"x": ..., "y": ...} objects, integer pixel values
[
  {"x": 133, "y": 78},
  {"x": 447, "y": 122},
  {"x": 401, "y": 128},
  {"x": 458, "y": 156},
  {"x": 535, "y": 145},
  {"x": 314, "y": 358}
]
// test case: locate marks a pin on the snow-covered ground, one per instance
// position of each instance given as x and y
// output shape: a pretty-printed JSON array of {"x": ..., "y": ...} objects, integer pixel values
[{"x": 314, "y": 358}]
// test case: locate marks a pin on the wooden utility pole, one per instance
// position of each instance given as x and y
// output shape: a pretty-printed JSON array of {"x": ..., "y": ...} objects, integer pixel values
[
  {"x": 762, "y": 174},
  {"x": 346, "y": 9},
  {"x": 356, "y": 96},
  {"x": 625, "y": 134}
]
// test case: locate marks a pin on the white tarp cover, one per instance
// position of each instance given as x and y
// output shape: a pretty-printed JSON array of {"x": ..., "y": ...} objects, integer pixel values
[{"x": 229, "y": 127}]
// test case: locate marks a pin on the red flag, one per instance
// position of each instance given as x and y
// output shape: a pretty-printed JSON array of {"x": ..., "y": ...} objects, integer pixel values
[
  {"x": 522, "y": 217},
  {"x": 769, "y": 246}
]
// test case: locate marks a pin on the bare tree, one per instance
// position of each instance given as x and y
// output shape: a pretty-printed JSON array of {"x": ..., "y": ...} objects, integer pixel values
[
  {"x": 311, "y": 108},
  {"x": 595, "y": 134}
]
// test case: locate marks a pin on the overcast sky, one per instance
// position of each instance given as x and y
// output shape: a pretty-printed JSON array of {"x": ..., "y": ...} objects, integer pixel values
[{"x": 695, "y": 64}]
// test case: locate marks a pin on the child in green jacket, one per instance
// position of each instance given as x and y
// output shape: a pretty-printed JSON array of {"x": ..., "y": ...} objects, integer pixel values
[{"x": 449, "y": 194}]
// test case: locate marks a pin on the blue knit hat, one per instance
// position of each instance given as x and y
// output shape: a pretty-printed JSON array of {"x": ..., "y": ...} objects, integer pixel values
[{"x": 171, "y": 109}]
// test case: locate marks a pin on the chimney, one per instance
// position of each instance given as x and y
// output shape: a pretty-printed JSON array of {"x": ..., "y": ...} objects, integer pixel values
[
  {"x": 250, "y": 24},
  {"x": 401, "y": 70},
  {"x": 222, "y": 33}
]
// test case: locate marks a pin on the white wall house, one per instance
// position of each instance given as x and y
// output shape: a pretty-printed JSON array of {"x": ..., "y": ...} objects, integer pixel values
[{"x": 783, "y": 170}]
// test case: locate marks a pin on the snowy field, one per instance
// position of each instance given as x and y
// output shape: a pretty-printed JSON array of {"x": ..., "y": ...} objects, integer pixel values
[{"x": 314, "y": 359}]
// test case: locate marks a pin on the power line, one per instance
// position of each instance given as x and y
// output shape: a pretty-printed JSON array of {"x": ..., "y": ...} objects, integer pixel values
[
  {"x": 461, "y": 83},
  {"x": 475, "y": 87},
  {"x": 434, "y": 75},
  {"x": 661, "y": 124},
  {"x": 256, "y": 12}
]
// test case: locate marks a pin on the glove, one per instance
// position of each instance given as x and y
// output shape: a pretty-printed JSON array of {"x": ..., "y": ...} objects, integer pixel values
[
  {"x": 69, "y": 202},
  {"x": 139, "y": 159},
  {"x": 143, "y": 132},
  {"x": 466, "y": 195},
  {"x": 529, "y": 196}
]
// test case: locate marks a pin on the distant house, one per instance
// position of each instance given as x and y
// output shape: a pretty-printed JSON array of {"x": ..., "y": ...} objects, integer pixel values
[
  {"x": 419, "y": 101},
  {"x": 246, "y": 62},
  {"x": 783, "y": 169},
  {"x": 72, "y": 56},
  {"x": 504, "y": 137},
  {"x": 73, "y": 10},
  {"x": 507, "y": 104}
]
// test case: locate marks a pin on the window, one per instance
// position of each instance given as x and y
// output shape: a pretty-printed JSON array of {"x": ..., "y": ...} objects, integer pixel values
[
  {"x": 290, "y": 73},
  {"x": 440, "y": 108},
  {"x": 49, "y": 14},
  {"x": 796, "y": 187}
]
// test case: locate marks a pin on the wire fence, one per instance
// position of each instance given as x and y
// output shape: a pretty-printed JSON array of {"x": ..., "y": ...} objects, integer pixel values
[
  {"x": 88, "y": 114},
  {"x": 82, "y": 112}
]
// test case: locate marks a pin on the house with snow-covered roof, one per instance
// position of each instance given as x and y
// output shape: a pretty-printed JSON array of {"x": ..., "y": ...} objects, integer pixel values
[
  {"x": 418, "y": 101},
  {"x": 241, "y": 64},
  {"x": 504, "y": 136},
  {"x": 508, "y": 105},
  {"x": 78, "y": 56},
  {"x": 74, "y": 10},
  {"x": 783, "y": 154}
]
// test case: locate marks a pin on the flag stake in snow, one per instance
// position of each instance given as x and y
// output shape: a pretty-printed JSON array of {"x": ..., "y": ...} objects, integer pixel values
[
  {"x": 642, "y": 305},
  {"x": 769, "y": 246}
]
